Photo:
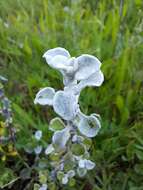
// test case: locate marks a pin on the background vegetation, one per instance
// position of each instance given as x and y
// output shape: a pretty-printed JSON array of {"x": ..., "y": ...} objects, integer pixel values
[{"x": 112, "y": 30}]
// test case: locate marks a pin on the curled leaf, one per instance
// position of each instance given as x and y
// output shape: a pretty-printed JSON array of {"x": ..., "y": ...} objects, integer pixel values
[
  {"x": 89, "y": 126},
  {"x": 87, "y": 65},
  {"x": 45, "y": 96},
  {"x": 50, "y": 54},
  {"x": 96, "y": 79},
  {"x": 60, "y": 62}
]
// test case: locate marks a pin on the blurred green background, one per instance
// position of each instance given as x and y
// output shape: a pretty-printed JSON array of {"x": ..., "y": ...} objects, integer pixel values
[{"x": 112, "y": 30}]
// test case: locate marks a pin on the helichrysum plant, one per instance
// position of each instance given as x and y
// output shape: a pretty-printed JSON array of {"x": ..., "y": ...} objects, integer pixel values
[{"x": 72, "y": 129}]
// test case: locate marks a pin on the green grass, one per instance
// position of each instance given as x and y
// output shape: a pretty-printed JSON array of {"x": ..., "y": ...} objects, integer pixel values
[{"x": 112, "y": 31}]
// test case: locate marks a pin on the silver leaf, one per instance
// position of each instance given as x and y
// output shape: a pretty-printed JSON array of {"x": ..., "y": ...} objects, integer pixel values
[
  {"x": 65, "y": 104},
  {"x": 45, "y": 96},
  {"x": 87, "y": 65},
  {"x": 51, "y": 53},
  {"x": 60, "y": 138},
  {"x": 89, "y": 125}
]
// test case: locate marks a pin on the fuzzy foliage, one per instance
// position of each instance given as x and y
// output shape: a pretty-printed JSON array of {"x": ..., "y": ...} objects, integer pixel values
[{"x": 71, "y": 132}]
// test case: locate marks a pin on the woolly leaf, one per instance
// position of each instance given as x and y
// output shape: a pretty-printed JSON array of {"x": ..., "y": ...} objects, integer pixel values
[
  {"x": 87, "y": 65},
  {"x": 45, "y": 96},
  {"x": 50, "y": 54},
  {"x": 89, "y": 126},
  {"x": 60, "y": 138},
  {"x": 65, "y": 105}
]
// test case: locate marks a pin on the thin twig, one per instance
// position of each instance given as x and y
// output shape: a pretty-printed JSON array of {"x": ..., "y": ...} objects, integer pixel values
[{"x": 11, "y": 182}]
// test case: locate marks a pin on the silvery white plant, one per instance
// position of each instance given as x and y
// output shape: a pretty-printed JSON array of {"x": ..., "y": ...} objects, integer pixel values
[{"x": 73, "y": 130}]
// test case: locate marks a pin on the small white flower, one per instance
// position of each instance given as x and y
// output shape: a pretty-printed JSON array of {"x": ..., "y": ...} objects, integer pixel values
[
  {"x": 38, "y": 135},
  {"x": 38, "y": 150}
]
